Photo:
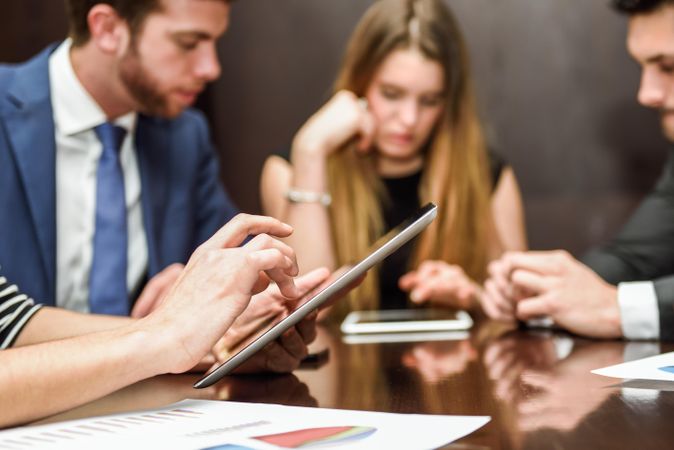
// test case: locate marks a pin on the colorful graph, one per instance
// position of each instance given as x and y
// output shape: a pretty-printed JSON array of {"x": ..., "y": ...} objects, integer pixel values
[
  {"x": 318, "y": 437},
  {"x": 669, "y": 369},
  {"x": 308, "y": 438},
  {"x": 96, "y": 428}
]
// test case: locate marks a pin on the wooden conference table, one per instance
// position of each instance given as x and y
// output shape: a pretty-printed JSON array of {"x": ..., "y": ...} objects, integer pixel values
[{"x": 536, "y": 386}]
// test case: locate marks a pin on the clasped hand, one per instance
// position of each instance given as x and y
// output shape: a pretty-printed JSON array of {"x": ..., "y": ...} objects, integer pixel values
[
  {"x": 440, "y": 283},
  {"x": 527, "y": 285}
]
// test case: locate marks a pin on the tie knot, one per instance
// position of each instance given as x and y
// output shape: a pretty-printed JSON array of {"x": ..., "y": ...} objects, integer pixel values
[{"x": 111, "y": 136}]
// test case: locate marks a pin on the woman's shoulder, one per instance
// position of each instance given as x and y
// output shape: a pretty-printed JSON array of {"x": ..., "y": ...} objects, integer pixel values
[
  {"x": 497, "y": 164},
  {"x": 282, "y": 152},
  {"x": 275, "y": 162}
]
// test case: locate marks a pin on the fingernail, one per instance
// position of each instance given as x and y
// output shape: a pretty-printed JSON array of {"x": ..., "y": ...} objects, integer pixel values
[{"x": 415, "y": 296}]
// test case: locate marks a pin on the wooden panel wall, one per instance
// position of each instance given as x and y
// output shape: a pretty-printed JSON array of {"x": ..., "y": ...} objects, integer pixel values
[{"x": 555, "y": 85}]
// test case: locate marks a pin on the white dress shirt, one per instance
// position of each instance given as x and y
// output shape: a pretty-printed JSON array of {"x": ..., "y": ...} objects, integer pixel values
[
  {"x": 78, "y": 150},
  {"x": 639, "y": 313}
]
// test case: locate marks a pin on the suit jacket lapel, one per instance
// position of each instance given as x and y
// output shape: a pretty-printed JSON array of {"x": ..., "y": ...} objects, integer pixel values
[
  {"x": 153, "y": 150},
  {"x": 28, "y": 116}
]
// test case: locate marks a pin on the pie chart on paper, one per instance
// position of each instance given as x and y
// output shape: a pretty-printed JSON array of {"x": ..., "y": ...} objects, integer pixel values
[
  {"x": 309, "y": 438},
  {"x": 669, "y": 369},
  {"x": 318, "y": 437}
]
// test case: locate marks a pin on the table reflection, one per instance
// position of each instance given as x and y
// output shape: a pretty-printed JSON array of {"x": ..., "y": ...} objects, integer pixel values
[
  {"x": 438, "y": 360},
  {"x": 398, "y": 376},
  {"x": 544, "y": 381},
  {"x": 536, "y": 387},
  {"x": 160, "y": 391}
]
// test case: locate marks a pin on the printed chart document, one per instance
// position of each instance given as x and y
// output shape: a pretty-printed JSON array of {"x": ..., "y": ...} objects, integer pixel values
[
  {"x": 215, "y": 425},
  {"x": 660, "y": 367}
]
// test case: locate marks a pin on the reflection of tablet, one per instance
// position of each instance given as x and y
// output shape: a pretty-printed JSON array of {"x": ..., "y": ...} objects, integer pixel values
[
  {"x": 405, "y": 320},
  {"x": 386, "y": 245}
]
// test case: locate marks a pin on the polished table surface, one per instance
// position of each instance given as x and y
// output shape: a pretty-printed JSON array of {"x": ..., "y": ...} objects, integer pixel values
[{"x": 535, "y": 385}]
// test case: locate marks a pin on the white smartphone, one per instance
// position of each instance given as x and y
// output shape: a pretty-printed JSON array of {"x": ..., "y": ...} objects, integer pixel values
[{"x": 406, "y": 321}]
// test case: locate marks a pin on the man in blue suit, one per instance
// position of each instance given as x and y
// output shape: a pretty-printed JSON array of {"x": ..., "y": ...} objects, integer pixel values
[{"x": 107, "y": 176}]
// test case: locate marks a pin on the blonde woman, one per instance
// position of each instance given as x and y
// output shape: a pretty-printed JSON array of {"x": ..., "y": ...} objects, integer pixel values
[{"x": 401, "y": 130}]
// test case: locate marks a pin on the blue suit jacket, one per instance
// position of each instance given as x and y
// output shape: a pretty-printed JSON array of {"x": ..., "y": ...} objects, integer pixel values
[{"x": 183, "y": 201}]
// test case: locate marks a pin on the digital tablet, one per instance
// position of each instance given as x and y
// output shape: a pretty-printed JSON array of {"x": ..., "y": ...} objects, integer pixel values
[
  {"x": 344, "y": 277},
  {"x": 406, "y": 321}
]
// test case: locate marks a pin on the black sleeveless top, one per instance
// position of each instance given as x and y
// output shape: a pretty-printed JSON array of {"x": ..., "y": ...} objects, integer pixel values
[
  {"x": 404, "y": 201},
  {"x": 404, "y": 196}
]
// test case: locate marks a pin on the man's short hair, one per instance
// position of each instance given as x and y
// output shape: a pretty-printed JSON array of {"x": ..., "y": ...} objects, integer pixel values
[
  {"x": 133, "y": 11},
  {"x": 639, "y": 6}
]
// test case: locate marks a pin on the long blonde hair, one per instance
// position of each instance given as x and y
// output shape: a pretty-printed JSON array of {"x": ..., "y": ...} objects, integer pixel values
[{"x": 455, "y": 174}]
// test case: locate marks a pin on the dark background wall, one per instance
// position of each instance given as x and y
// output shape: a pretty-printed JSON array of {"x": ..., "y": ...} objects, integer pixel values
[{"x": 556, "y": 88}]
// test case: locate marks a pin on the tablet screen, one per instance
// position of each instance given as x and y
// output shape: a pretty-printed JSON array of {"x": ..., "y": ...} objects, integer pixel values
[
  {"x": 407, "y": 315},
  {"x": 340, "y": 280}
]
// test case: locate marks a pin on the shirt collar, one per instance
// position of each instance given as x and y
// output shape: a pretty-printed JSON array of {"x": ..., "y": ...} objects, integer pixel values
[{"x": 74, "y": 109}]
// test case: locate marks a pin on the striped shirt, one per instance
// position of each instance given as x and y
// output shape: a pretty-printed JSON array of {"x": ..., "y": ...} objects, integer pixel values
[{"x": 15, "y": 311}]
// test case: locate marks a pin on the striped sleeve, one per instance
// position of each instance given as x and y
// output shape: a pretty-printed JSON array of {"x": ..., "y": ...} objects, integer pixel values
[{"x": 16, "y": 309}]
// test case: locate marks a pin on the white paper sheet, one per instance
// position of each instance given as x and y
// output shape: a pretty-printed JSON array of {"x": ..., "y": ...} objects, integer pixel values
[
  {"x": 201, "y": 424},
  {"x": 660, "y": 367}
]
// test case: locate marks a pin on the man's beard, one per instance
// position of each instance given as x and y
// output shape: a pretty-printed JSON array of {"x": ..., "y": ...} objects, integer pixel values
[{"x": 142, "y": 86}]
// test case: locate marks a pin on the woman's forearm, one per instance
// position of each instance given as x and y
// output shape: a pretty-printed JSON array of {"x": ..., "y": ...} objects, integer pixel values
[
  {"x": 312, "y": 238},
  {"x": 49, "y": 324},
  {"x": 43, "y": 379}
]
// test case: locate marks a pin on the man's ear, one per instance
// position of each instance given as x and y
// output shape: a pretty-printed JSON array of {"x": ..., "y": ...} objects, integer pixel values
[{"x": 109, "y": 32}]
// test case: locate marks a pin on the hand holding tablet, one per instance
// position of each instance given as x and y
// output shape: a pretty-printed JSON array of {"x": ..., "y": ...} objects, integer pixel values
[{"x": 344, "y": 279}]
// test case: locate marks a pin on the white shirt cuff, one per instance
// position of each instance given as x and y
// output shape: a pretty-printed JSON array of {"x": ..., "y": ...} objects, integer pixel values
[{"x": 640, "y": 317}]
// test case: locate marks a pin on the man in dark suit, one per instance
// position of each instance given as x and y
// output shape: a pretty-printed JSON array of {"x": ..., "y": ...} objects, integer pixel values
[
  {"x": 625, "y": 289},
  {"x": 107, "y": 176}
]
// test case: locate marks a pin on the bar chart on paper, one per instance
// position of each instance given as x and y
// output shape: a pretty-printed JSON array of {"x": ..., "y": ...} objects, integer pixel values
[
  {"x": 70, "y": 433},
  {"x": 213, "y": 425}
]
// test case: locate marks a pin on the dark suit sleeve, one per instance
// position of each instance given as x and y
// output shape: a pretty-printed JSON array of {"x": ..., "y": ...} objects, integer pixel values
[
  {"x": 214, "y": 205},
  {"x": 664, "y": 291},
  {"x": 644, "y": 249}
]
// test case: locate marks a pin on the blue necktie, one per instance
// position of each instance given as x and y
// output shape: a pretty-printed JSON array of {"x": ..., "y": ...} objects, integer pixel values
[{"x": 108, "y": 293}]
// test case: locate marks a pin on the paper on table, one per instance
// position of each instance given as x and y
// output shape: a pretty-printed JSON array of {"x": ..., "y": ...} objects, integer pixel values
[
  {"x": 211, "y": 425},
  {"x": 660, "y": 367}
]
